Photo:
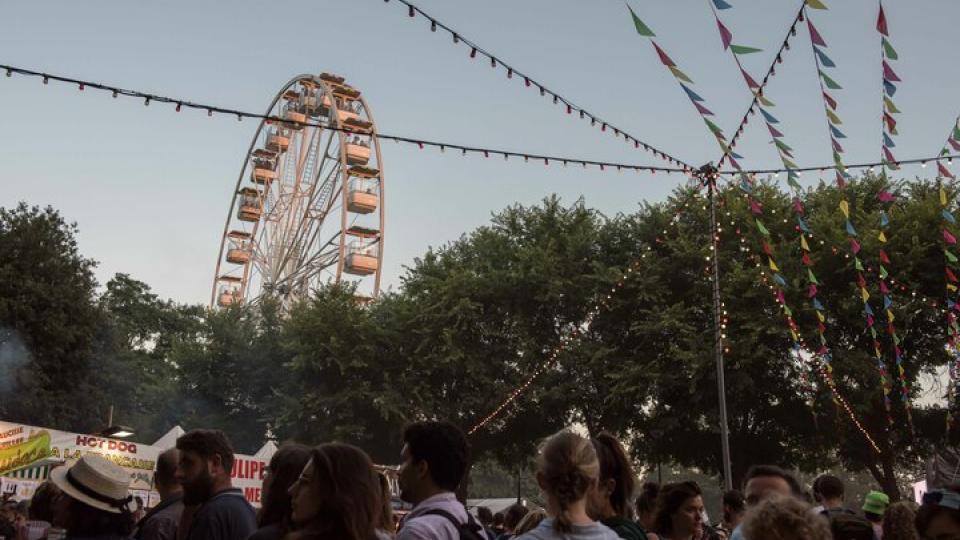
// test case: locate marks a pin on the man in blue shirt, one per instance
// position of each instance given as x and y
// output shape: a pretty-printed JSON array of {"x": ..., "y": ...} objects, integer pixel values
[{"x": 221, "y": 512}]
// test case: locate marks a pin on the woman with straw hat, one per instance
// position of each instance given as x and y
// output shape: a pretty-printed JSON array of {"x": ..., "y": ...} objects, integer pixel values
[{"x": 95, "y": 503}]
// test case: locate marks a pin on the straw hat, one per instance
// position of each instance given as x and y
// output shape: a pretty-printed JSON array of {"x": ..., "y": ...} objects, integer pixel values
[{"x": 96, "y": 482}]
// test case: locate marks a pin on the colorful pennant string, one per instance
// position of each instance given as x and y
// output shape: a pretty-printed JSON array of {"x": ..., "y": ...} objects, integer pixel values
[{"x": 951, "y": 270}]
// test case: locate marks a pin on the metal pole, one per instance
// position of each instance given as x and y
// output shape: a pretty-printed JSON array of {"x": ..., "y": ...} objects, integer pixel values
[{"x": 708, "y": 173}]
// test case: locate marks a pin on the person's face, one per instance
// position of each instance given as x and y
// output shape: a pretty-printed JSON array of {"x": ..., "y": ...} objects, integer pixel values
[
  {"x": 194, "y": 474},
  {"x": 410, "y": 476},
  {"x": 598, "y": 499},
  {"x": 942, "y": 527},
  {"x": 762, "y": 488},
  {"x": 688, "y": 519},
  {"x": 304, "y": 496}
]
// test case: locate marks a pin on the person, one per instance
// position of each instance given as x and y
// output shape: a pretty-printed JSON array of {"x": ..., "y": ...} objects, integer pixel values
[
  {"x": 337, "y": 496},
  {"x": 161, "y": 522},
  {"x": 567, "y": 470},
  {"x": 203, "y": 470},
  {"x": 939, "y": 515},
  {"x": 734, "y": 507},
  {"x": 40, "y": 512},
  {"x": 286, "y": 464},
  {"x": 530, "y": 521},
  {"x": 875, "y": 504},
  {"x": 763, "y": 482},
  {"x": 829, "y": 490},
  {"x": 898, "y": 521},
  {"x": 388, "y": 523},
  {"x": 511, "y": 518},
  {"x": 434, "y": 459},
  {"x": 497, "y": 524},
  {"x": 647, "y": 505},
  {"x": 679, "y": 513},
  {"x": 610, "y": 502},
  {"x": 784, "y": 518},
  {"x": 485, "y": 517},
  {"x": 94, "y": 501}
]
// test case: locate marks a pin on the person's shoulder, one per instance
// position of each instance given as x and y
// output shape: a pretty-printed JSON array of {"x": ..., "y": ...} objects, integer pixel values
[
  {"x": 270, "y": 532},
  {"x": 602, "y": 531}
]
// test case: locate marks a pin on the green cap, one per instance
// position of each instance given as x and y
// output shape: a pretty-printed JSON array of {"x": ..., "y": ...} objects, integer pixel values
[{"x": 876, "y": 502}]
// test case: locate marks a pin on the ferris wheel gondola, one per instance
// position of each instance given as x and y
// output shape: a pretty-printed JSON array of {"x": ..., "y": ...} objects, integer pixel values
[{"x": 308, "y": 206}]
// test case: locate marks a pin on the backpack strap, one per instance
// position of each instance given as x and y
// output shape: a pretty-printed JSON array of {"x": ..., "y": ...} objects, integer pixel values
[{"x": 450, "y": 517}]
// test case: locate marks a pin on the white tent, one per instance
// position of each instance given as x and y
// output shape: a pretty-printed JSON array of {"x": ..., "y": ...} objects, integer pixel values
[{"x": 169, "y": 440}]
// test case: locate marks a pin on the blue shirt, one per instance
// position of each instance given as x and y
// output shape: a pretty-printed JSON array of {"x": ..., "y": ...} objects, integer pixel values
[{"x": 226, "y": 516}]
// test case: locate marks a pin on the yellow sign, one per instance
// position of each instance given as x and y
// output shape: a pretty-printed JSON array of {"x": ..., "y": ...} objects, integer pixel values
[{"x": 35, "y": 448}]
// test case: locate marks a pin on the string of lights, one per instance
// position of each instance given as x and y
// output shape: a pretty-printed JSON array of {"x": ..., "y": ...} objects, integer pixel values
[
  {"x": 530, "y": 82},
  {"x": 576, "y": 333},
  {"x": 758, "y": 91}
]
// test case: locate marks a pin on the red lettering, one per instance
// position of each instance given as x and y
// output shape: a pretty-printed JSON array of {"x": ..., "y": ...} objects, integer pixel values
[
  {"x": 252, "y": 494},
  {"x": 111, "y": 445},
  {"x": 132, "y": 448}
]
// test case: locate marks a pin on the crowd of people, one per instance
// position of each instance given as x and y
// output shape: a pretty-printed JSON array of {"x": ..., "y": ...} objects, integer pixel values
[{"x": 333, "y": 492}]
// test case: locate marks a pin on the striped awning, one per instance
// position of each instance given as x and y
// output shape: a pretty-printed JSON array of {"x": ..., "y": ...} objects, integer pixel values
[{"x": 39, "y": 470}]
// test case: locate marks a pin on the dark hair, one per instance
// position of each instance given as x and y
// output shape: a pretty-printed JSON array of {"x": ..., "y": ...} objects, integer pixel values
[
  {"x": 443, "y": 446},
  {"x": 514, "y": 514},
  {"x": 386, "y": 504},
  {"x": 733, "y": 502},
  {"x": 647, "y": 501},
  {"x": 498, "y": 519},
  {"x": 86, "y": 521},
  {"x": 568, "y": 468},
  {"x": 484, "y": 515},
  {"x": 827, "y": 486},
  {"x": 757, "y": 471},
  {"x": 615, "y": 465},
  {"x": 41, "y": 504},
  {"x": 208, "y": 443},
  {"x": 166, "y": 473},
  {"x": 671, "y": 498},
  {"x": 284, "y": 469},
  {"x": 349, "y": 494}
]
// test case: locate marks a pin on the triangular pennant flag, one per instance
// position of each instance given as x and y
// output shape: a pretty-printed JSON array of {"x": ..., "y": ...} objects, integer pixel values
[
  {"x": 774, "y": 132},
  {"x": 750, "y": 82},
  {"x": 763, "y": 230},
  {"x": 782, "y": 145},
  {"x": 887, "y": 141},
  {"x": 815, "y": 36},
  {"x": 642, "y": 29},
  {"x": 950, "y": 256},
  {"x": 812, "y": 278},
  {"x": 713, "y": 127},
  {"x": 831, "y": 84},
  {"x": 854, "y": 246},
  {"x": 949, "y": 238},
  {"x": 817, "y": 305},
  {"x": 690, "y": 93},
  {"x": 891, "y": 123},
  {"x": 883, "y": 287},
  {"x": 812, "y": 291},
  {"x": 882, "y": 22},
  {"x": 890, "y": 318},
  {"x": 756, "y": 207},
  {"x": 779, "y": 279},
  {"x": 886, "y": 196},
  {"x": 950, "y": 275},
  {"x": 866, "y": 307},
  {"x": 736, "y": 155},
  {"x": 884, "y": 219},
  {"x": 888, "y": 49},
  {"x": 836, "y": 132},
  {"x": 882, "y": 237},
  {"x": 865, "y": 295},
  {"x": 796, "y": 203},
  {"x": 887, "y": 302},
  {"x": 889, "y": 156},
  {"x": 883, "y": 272},
  {"x": 824, "y": 59},
  {"x": 767, "y": 249},
  {"x": 850, "y": 230},
  {"x": 664, "y": 58},
  {"x": 803, "y": 225},
  {"x": 949, "y": 217},
  {"x": 954, "y": 143},
  {"x": 764, "y": 101},
  {"x": 768, "y": 117},
  {"x": 680, "y": 75},
  {"x": 702, "y": 110},
  {"x": 741, "y": 49},
  {"x": 787, "y": 163},
  {"x": 725, "y": 36},
  {"x": 830, "y": 101},
  {"x": 845, "y": 208},
  {"x": 840, "y": 182},
  {"x": 889, "y": 88},
  {"x": 803, "y": 243},
  {"x": 943, "y": 171},
  {"x": 836, "y": 145},
  {"x": 888, "y": 74},
  {"x": 956, "y": 132},
  {"x": 792, "y": 181},
  {"x": 884, "y": 257},
  {"x": 815, "y": 4},
  {"x": 834, "y": 119},
  {"x": 773, "y": 266},
  {"x": 888, "y": 104},
  {"x": 721, "y": 4},
  {"x": 943, "y": 198}
]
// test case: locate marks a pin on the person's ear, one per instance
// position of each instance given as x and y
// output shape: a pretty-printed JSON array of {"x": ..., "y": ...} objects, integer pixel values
[
  {"x": 216, "y": 462},
  {"x": 422, "y": 468}
]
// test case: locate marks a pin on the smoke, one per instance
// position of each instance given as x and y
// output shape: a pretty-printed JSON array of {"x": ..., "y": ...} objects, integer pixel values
[{"x": 13, "y": 356}]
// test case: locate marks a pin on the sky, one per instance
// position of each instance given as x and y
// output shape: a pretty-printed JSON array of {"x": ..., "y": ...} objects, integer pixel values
[{"x": 149, "y": 188}]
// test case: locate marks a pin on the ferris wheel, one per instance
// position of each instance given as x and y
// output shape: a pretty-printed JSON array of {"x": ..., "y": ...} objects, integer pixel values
[{"x": 308, "y": 205}]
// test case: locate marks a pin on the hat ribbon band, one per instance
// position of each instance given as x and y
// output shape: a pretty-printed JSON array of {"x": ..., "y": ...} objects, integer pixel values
[{"x": 116, "y": 503}]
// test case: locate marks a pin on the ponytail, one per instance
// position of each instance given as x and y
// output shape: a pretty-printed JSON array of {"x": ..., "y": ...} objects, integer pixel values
[{"x": 567, "y": 469}]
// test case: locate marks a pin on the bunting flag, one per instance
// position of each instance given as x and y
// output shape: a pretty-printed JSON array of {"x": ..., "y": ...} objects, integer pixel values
[
  {"x": 953, "y": 141},
  {"x": 950, "y": 269},
  {"x": 686, "y": 82},
  {"x": 830, "y": 107}
]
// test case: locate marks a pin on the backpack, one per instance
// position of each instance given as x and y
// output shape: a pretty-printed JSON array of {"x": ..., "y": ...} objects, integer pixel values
[
  {"x": 845, "y": 525},
  {"x": 471, "y": 530}
]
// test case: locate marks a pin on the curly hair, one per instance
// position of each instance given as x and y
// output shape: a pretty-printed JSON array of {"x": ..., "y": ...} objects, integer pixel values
[
  {"x": 568, "y": 468},
  {"x": 671, "y": 498},
  {"x": 898, "y": 521},
  {"x": 785, "y": 518}
]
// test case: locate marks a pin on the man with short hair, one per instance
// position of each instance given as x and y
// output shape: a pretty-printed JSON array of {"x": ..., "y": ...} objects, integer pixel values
[
  {"x": 764, "y": 482},
  {"x": 434, "y": 459},
  {"x": 828, "y": 490},
  {"x": 485, "y": 517},
  {"x": 161, "y": 522},
  {"x": 845, "y": 524},
  {"x": 206, "y": 460}
]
